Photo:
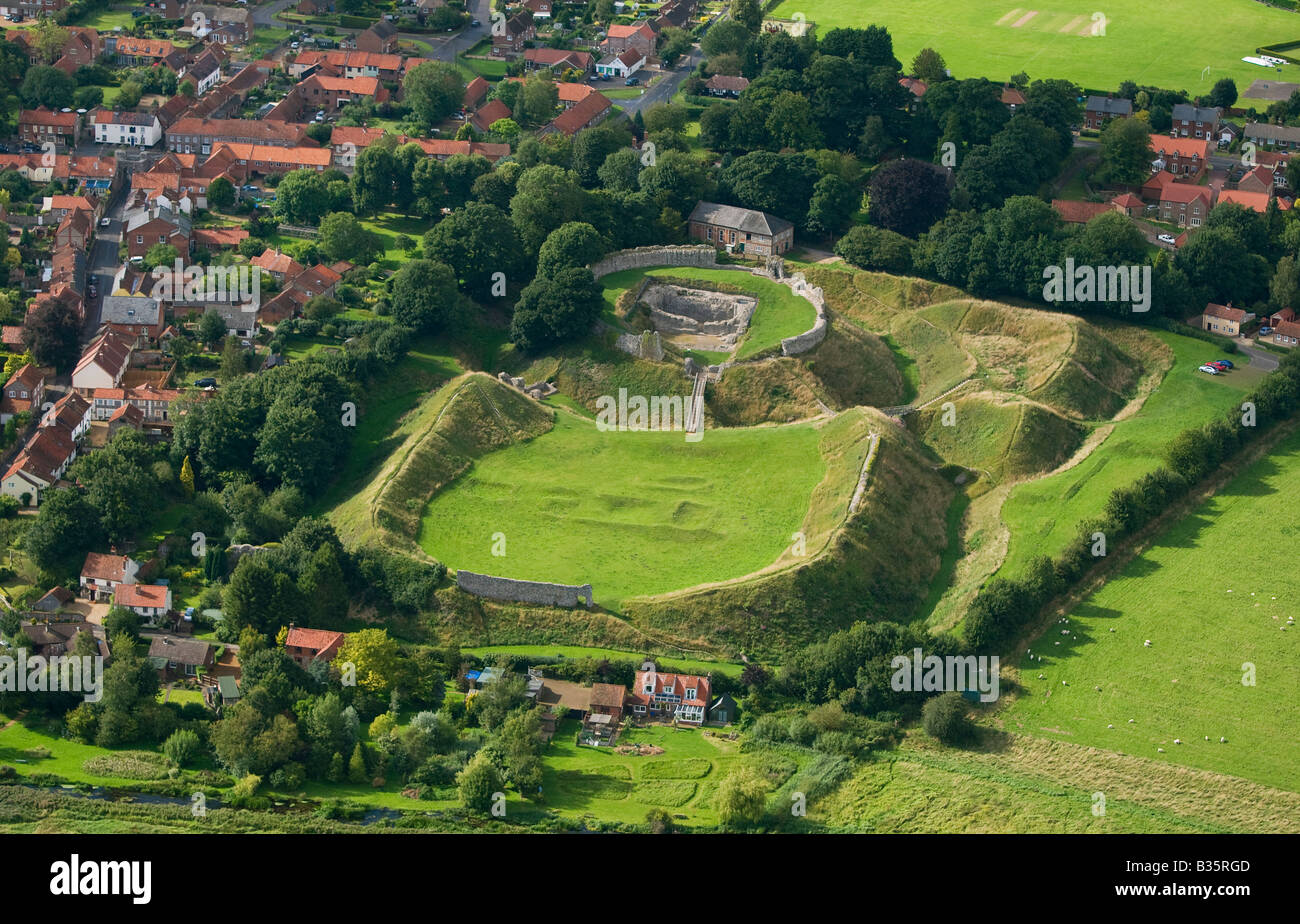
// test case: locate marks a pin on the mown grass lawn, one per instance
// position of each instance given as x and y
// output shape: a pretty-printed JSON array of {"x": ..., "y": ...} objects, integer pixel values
[
  {"x": 608, "y": 786},
  {"x": 978, "y": 38},
  {"x": 1213, "y": 611},
  {"x": 629, "y": 512},
  {"x": 389, "y": 226},
  {"x": 1043, "y": 515}
]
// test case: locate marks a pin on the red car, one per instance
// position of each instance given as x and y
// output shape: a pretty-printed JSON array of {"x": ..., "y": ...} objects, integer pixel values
[{"x": 1220, "y": 365}]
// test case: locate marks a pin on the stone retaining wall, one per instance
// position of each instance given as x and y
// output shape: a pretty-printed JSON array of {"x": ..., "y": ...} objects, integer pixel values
[
  {"x": 802, "y": 343},
  {"x": 536, "y": 592},
  {"x": 641, "y": 257}
]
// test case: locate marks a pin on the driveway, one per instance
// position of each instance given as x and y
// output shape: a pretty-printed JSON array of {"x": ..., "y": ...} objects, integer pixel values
[
  {"x": 1259, "y": 357},
  {"x": 662, "y": 91}
]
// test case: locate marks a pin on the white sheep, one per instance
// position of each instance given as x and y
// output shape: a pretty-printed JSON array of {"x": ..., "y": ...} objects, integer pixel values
[
  {"x": 1131, "y": 721},
  {"x": 1223, "y": 741},
  {"x": 1110, "y": 726},
  {"x": 1178, "y": 741},
  {"x": 1161, "y": 750}
]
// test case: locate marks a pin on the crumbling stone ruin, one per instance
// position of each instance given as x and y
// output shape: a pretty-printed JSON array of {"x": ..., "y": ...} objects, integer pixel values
[{"x": 540, "y": 593}]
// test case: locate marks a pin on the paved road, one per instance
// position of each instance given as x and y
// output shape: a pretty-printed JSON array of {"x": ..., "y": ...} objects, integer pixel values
[
  {"x": 1259, "y": 358},
  {"x": 663, "y": 91}
]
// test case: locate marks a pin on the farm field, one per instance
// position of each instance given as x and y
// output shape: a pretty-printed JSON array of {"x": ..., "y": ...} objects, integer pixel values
[
  {"x": 1043, "y": 514},
  {"x": 780, "y": 313},
  {"x": 1020, "y": 784},
  {"x": 979, "y": 38},
  {"x": 631, "y": 513},
  {"x": 1208, "y": 608}
]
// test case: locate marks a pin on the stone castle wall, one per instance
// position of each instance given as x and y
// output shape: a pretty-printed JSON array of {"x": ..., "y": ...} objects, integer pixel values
[
  {"x": 641, "y": 257},
  {"x": 802, "y": 343},
  {"x": 536, "y": 592}
]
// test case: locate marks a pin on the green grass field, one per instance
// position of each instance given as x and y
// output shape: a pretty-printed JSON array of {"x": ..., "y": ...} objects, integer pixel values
[
  {"x": 978, "y": 38},
  {"x": 780, "y": 313},
  {"x": 632, "y": 513},
  {"x": 608, "y": 786},
  {"x": 1043, "y": 515},
  {"x": 1210, "y": 607}
]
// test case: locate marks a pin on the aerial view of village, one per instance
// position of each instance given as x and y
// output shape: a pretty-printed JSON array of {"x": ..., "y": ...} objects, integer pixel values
[{"x": 684, "y": 416}]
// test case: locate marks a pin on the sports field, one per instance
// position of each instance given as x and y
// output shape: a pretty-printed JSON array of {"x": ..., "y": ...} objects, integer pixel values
[
  {"x": 634, "y": 512},
  {"x": 1179, "y": 44},
  {"x": 1214, "y": 607}
]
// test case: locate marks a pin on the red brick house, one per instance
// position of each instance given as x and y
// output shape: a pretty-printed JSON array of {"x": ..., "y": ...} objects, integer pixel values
[
  {"x": 1184, "y": 205},
  {"x": 587, "y": 112},
  {"x": 519, "y": 29},
  {"x": 740, "y": 230},
  {"x": 679, "y": 697},
  {"x": 24, "y": 391},
  {"x": 380, "y": 38},
  {"x": 308, "y": 645},
  {"x": 1185, "y": 158},
  {"x": 620, "y": 38},
  {"x": 1101, "y": 109},
  {"x": 36, "y": 126}
]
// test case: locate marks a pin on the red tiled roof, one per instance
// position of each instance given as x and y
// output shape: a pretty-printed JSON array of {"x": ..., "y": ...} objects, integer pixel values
[
  {"x": 1183, "y": 147},
  {"x": 1184, "y": 193},
  {"x": 152, "y": 595},
  {"x": 576, "y": 117},
  {"x": 1225, "y": 312},
  {"x": 1256, "y": 201},
  {"x": 1079, "y": 212},
  {"x": 105, "y": 567}
]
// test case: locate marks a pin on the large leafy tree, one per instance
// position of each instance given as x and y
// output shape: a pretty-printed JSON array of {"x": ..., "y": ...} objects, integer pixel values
[
  {"x": 551, "y": 310},
  {"x": 259, "y": 595},
  {"x": 303, "y": 197},
  {"x": 545, "y": 197},
  {"x": 51, "y": 331},
  {"x": 1126, "y": 153},
  {"x": 907, "y": 196},
  {"x": 573, "y": 244},
  {"x": 477, "y": 242},
  {"x": 424, "y": 295},
  {"x": 65, "y": 528},
  {"x": 343, "y": 237},
  {"x": 433, "y": 90}
]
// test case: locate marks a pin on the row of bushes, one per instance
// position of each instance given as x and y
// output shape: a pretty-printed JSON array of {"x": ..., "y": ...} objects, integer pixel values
[
  {"x": 1226, "y": 344},
  {"x": 1004, "y": 606}
]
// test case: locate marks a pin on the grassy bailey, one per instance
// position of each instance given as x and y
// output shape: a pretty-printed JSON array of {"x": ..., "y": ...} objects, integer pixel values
[
  {"x": 876, "y": 565},
  {"x": 471, "y": 415}
]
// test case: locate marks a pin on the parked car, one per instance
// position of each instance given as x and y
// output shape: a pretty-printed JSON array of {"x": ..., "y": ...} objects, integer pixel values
[
  {"x": 632, "y": 82},
  {"x": 1167, "y": 239},
  {"x": 1266, "y": 330},
  {"x": 1223, "y": 362},
  {"x": 475, "y": 23},
  {"x": 1210, "y": 370},
  {"x": 92, "y": 291},
  {"x": 105, "y": 222},
  {"x": 205, "y": 383},
  {"x": 1218, "y": 365}
]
